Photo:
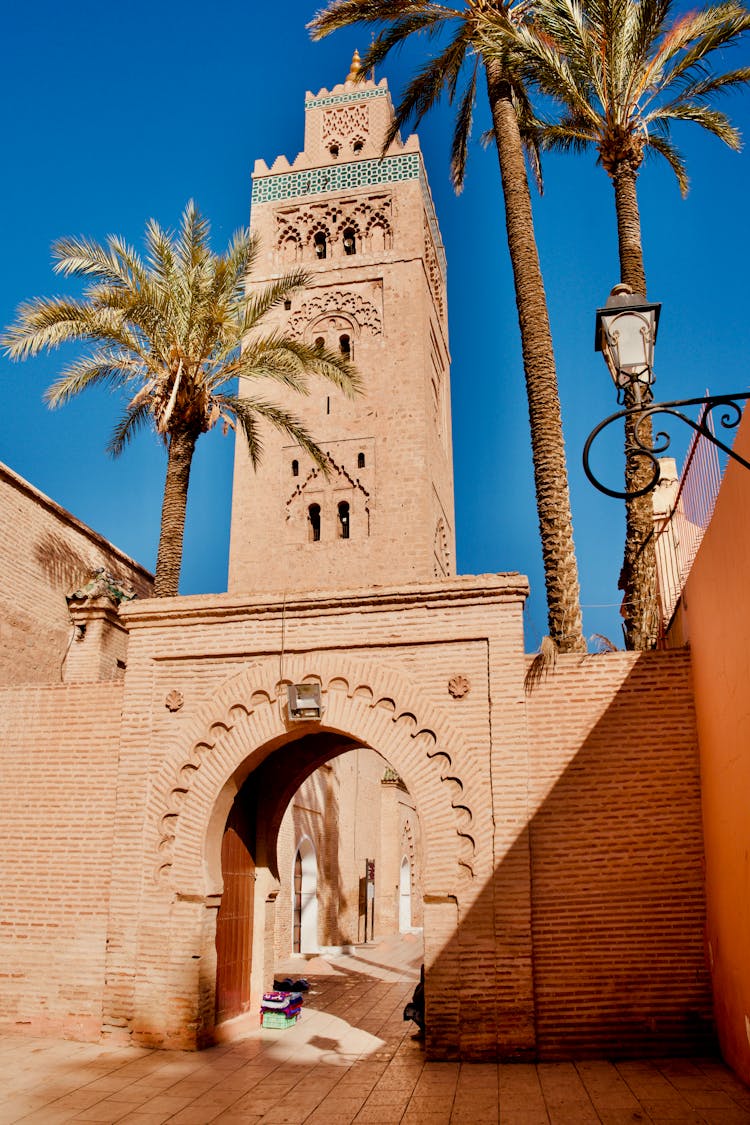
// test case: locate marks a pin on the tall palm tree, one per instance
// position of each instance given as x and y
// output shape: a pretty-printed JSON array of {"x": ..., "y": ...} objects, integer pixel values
[
  {"x": 511, "y": 113},
  {"x": 624, "y": 71},
  {"x": 174, "y": 333}
]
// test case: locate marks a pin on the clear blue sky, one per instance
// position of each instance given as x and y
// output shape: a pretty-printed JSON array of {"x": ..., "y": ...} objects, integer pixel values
[{"x": 113, "y": 114}]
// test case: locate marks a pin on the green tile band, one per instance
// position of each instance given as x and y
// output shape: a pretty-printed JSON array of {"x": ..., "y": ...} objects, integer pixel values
[
  {"x": 340, "y": 99},
  {"x": 337, "y": 177},
  {"x": 284, "y": 186}
]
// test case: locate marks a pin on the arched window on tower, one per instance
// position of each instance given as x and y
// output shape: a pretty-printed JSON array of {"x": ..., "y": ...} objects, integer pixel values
[
  {"x": 360, "y": 460},
  {"x": 343, "y": 520},
  {"x": 320, "y": 343},
  {"x": 334, "y": 150},
  {"x": 345, "y": 346},
  {"x": 313, "y": 517},
  {"x": 350, "y": 242},
  {"x": 295, "y": 468},
  {"x": 320, "y": 244},
  {"x": 357, "y": 147}
]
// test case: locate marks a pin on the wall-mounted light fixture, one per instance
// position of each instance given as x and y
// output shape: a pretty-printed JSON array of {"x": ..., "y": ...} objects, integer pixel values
[
  {"x": 305, "y": 702},
  {"x": 625, "y": 334}
]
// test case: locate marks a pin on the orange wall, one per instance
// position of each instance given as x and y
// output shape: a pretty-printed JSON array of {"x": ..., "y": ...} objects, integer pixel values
[{"x": 716, "y": 610}]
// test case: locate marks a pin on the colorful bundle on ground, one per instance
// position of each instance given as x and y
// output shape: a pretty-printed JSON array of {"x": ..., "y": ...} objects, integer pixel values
[{"x": 280, "y": 1009}]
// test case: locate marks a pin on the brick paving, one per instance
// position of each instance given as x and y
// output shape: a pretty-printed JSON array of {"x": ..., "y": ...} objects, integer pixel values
[{"x": 351, "y": 1059}]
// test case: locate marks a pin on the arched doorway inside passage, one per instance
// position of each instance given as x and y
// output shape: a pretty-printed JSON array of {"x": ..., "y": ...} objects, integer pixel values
[
  {"x": 244, "y": 727},
  {"x": 329, "y": 865}
]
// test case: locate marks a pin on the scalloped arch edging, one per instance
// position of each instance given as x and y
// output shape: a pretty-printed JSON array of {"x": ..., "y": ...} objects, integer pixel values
[{"x": 370, "y": 703}]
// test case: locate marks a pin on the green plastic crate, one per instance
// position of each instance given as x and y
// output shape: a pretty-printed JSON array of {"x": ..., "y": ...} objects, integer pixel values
[{"x": 277, "y": 1020}]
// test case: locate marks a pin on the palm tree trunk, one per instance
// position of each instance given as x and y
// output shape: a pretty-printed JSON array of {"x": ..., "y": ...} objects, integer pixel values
[
  {"x": 547, "y": 445},
  {"x": 640, "y": 608},
  {"x": 169, "y": 558}
]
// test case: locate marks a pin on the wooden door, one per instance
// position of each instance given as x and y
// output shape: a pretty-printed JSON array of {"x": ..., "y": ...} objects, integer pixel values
[{"x": 234, "y": 924}]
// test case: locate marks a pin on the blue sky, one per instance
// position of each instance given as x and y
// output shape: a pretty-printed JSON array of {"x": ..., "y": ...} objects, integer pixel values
[{"x": 113, "y": 114}]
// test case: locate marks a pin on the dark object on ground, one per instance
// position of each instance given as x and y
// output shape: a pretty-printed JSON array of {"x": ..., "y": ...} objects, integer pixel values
[
  {"x": 415, "y": 1009},
  {"x": 288, "y": 985}
]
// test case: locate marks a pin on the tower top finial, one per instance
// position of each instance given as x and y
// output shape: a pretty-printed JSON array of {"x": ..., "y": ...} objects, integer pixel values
[{"x": 355, "y": 69}]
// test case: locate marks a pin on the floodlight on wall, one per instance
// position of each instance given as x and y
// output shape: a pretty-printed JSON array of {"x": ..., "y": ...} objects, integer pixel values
[
  {"x": 305, "y": 703},
  {"x": 625, "y": 334}
]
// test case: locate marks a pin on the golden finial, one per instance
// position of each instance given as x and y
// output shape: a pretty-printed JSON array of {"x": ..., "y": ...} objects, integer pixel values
[{"x": 355, "y": 69}]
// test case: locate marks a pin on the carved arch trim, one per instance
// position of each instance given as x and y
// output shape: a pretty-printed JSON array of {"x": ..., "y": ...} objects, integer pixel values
[{"x": 369, "y": 703}]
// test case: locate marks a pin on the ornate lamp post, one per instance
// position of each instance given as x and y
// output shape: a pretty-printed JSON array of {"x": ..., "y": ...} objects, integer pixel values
[{"x": 626, "y": 333}]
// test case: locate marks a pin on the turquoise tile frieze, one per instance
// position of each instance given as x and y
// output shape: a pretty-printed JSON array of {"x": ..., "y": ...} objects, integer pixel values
[
  {"x": 338, "y": 177},
  {"x": 341, "y": 99}
]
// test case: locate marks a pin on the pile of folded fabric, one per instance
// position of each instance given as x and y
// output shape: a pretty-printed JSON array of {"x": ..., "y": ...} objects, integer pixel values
[{"x": 280, "y": 1009}]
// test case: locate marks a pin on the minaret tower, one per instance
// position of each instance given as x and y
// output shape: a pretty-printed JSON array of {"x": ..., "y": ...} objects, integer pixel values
[{"x": 365, "y": 229}]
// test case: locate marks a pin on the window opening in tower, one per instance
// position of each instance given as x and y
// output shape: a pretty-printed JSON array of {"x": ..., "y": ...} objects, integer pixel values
[
  {"x": 313, "y": 515},
  {"x": 343, "y": 520}
]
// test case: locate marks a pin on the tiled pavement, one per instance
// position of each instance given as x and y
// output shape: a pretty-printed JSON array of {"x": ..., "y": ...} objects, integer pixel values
[{"x": 350, "y": 1059}]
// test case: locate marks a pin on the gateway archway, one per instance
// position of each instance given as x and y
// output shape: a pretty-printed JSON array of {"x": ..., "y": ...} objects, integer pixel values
[{"x": 245, "y": 729}]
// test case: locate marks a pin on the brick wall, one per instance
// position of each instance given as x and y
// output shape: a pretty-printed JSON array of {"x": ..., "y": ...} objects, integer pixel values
[
  {"x": 618, "y": 911},
  {"x": 58, "y": 768},
  {"x": 45, "y": 553}
]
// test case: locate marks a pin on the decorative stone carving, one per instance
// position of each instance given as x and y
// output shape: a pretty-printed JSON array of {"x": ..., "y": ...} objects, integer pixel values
[
  {"x": 174, "y": 700},
  {"x": 459, "y": 686},
  {"x": 441, "y": 551},
  {"x": 433, "y": 269},
  {"x": 362, "y": 312},
  {"x": 345, "y": 123},
  {"x": 369, "y": 218},
  {"x": 424, "y": 741}
]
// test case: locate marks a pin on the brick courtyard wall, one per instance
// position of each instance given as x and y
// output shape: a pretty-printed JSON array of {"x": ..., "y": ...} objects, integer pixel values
[
  {"x": 46, "y": 553},
  {"x": 58, "y": 776},
  {"x": 715, "y": 616},
  {"x": 618, "y": 914}
]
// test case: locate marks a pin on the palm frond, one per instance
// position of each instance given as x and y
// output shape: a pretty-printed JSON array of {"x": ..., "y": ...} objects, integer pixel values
[
  {"x": 664, "y": 147},
  {"x": 462, "y": 131},
  {"x": 131, "y": 423},
  {"x": 105, "y": 366},
  {"x": 426, "y": 88}
]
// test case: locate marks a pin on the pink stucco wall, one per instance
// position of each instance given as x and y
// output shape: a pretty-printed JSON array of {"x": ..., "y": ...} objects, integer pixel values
[{"x": 715, "y": 615}]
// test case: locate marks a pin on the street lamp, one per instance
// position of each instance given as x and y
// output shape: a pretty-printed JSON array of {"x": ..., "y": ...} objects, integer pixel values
[{"x": 626, "y": 333}]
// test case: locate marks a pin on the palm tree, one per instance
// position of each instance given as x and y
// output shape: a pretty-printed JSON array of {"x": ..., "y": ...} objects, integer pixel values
[
  {"x": 623, "y": 72},
  {"x": 174, "y": 333},
  {"x": 511, "y": 113}
]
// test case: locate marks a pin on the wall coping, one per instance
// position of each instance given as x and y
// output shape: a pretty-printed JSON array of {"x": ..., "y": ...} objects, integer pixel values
[{"x": 207, "y": 608}]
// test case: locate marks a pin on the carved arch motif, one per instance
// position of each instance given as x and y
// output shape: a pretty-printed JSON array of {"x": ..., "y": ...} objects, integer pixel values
[
  {"x": 361, "y": 311},
  {"x": 367, "y": 216},
  {"x": 372, "y": 704}
]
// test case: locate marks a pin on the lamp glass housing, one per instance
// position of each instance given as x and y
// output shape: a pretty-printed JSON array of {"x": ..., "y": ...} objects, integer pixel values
[{"x": 625, "y": 334}]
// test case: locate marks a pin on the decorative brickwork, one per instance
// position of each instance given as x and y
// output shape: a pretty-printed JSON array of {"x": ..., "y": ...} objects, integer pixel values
[{"x": 335, "y": 302}]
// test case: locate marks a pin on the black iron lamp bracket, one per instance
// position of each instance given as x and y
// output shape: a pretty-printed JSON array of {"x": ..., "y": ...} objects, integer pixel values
[{"x": 728, "y": 420}]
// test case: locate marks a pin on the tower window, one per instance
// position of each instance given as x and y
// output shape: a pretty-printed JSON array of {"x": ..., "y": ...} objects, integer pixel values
[
  {"x": 313, "y": 516},
  {"x": 295, "y": 468},
  {"x": 287, "y": 304},
  {"x": 350, "y": 245},
  {"x": 343, "y": 520},
  {"x": 334, "y": 150},
  {"x": 357, "y": 147},
  {"x": 319, "y": 343},
  {"x": 321, "y": 248},
  {"x": 360, "y": 460},
  {"x": 345, "y": 346}
]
